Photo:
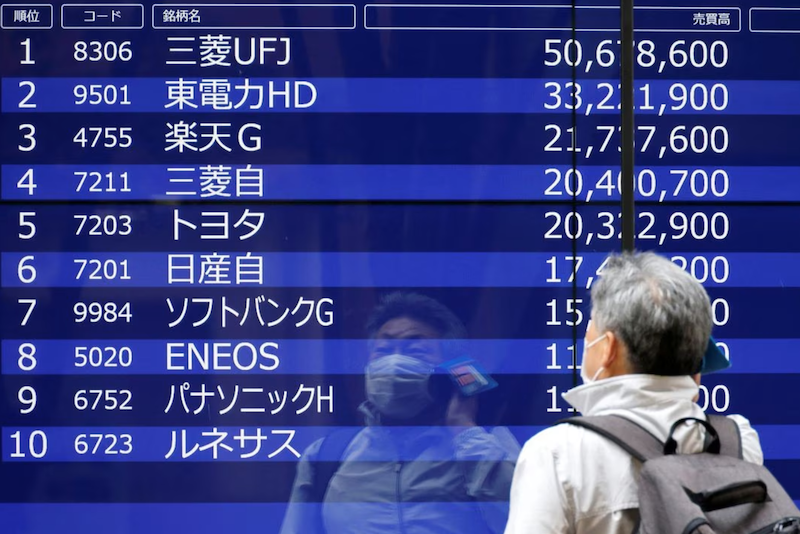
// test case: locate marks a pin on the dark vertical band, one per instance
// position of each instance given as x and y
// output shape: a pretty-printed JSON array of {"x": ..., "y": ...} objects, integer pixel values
[
  {"x": 574, "y": 184},
  {"x": 628, "y": 127}
]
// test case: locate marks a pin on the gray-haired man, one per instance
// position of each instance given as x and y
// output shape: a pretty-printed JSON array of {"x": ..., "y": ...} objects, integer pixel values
[{"x": 643, "y": 352}]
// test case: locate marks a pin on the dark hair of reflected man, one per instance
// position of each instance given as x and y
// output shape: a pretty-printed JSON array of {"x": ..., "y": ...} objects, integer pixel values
[{"x": 419, "y": 307}]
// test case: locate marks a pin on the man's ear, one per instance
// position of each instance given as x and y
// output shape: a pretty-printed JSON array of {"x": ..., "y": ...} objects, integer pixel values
[{"x": 611, "y": 351}]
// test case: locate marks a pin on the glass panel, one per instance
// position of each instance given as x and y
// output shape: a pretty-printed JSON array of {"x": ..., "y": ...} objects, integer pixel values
[{"x": 294, "y": 267}]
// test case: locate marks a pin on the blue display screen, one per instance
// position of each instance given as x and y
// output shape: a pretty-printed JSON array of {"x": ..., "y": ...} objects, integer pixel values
[{"x": 203, "y": 206}]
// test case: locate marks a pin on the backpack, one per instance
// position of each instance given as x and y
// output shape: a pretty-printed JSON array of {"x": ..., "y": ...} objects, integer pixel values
[
  {"x": 711, "y": 492},
  {"x": 332, "y": 446}
]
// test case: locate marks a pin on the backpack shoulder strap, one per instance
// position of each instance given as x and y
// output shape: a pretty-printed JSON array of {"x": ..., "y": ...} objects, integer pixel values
[
  {"x": 632, "y": 438},
  {"x": 729, "y": 436},
  {"x": 330, "y": 455}
]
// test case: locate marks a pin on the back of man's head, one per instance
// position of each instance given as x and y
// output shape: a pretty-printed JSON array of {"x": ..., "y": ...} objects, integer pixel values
[{"x": 660, "y": 313}]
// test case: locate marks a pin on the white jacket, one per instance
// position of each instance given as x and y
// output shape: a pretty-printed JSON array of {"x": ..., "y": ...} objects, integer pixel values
[{"x": 571, "y": 480}]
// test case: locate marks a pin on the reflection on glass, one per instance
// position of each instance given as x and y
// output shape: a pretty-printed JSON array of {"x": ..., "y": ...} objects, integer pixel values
[{"x": 420, "y": 462}]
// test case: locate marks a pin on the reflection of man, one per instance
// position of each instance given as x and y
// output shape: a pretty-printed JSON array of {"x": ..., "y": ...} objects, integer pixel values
[{"x": 421, "y": 465}]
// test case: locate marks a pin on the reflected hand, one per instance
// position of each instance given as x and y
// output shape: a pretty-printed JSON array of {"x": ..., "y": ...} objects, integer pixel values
[{"x": 461, "y": 412}]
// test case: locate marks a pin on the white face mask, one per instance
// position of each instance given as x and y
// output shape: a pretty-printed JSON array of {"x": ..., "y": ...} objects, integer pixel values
[
  {"x": 586, "y": 346},
  {"x": 398, "y": 385}
]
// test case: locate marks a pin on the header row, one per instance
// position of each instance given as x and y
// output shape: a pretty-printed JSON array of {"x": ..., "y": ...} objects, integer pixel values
[{"x": 395, "y": 17}]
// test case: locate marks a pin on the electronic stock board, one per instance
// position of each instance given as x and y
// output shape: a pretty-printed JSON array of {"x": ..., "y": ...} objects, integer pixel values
[{"x": 202, "y": 204}]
